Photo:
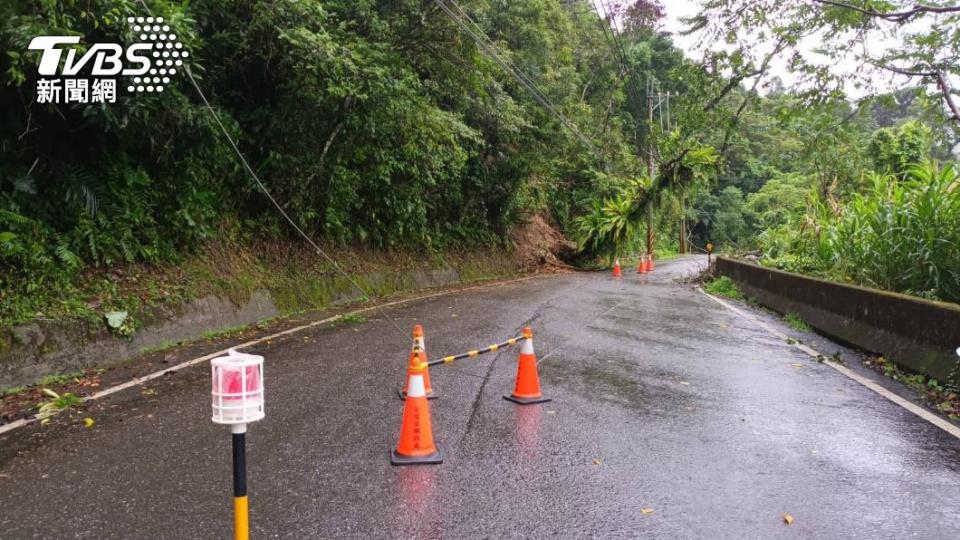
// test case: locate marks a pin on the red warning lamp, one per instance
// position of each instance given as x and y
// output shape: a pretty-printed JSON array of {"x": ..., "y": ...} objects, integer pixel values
[
  {"x": 237, "y": 388},
  {"x": 237, "y": 399}
]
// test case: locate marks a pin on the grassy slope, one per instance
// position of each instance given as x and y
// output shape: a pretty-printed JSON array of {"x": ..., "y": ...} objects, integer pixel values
[{"x": 297, "y": 277}]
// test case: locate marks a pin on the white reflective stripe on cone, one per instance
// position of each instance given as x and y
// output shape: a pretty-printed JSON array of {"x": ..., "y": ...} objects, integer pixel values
[
  {"x": 527, "y": 347},
  {"x": 415, "y": 388},
  {"x": 420, "y": 344}
]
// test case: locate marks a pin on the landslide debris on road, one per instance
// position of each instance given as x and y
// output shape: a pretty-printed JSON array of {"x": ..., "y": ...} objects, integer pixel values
[{"x": 539, "y": 247}]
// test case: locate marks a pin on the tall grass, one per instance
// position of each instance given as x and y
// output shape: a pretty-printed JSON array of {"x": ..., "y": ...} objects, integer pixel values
[
  {"x": 900, "y": 235},
  {"x": 723, "y": 286}
]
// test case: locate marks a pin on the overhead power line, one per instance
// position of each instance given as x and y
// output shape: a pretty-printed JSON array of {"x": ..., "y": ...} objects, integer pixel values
[
  {"x": 269, "y": 196},
  {"x": 483, "y": 41},
  {"x": 615, "y": 42},
  {"x": 468, "y": 25}
]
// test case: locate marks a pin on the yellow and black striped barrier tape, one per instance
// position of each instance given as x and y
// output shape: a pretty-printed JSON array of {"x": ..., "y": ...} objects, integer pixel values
[{"x": 472, "y": 354}]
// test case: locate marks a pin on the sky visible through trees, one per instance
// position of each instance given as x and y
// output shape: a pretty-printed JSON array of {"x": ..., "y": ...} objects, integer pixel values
[{"x": 441, "y": 125}]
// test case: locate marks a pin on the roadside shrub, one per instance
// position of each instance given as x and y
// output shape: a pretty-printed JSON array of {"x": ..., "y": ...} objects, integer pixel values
[
  {"x": 723, "y": 286},
  {"x": 794, "y": 321},
  {"x": 901, "y": 235}
]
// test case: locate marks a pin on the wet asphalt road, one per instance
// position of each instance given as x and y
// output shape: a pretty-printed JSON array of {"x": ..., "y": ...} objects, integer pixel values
[{"x": 663, "y": 400}]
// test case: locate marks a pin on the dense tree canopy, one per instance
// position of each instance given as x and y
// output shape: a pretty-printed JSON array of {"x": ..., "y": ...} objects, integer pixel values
[{"x": 433, "y": 123}]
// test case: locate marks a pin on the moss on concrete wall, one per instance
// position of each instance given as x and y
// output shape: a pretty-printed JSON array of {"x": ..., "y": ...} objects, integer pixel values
[{"x": 224, "y": 289}]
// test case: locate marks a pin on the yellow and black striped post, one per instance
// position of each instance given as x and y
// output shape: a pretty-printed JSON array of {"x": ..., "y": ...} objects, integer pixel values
[
  {"x": 237, "y": 400},
  {"x": 474, "y": 354},
  {"x": 241, "y": 510}
]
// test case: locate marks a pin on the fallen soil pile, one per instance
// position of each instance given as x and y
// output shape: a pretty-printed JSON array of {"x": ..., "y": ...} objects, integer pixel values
[{"x": 539, "y": 247}]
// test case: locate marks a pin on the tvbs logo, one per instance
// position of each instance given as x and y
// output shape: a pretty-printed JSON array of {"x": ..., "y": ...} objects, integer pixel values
[{"x": 147, "y": 65}]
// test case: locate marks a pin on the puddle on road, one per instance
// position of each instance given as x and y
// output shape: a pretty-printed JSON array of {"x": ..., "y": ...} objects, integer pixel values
[
  {"x": 646, "y": 338},
  {"x": 622, "y": 382},
  {"x": 616, "y": 387}
]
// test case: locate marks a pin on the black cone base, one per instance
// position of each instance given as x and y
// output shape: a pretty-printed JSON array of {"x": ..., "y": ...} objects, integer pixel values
[
  {"x": 527, "y": 401},
  {"x": 433, "y": 459}
]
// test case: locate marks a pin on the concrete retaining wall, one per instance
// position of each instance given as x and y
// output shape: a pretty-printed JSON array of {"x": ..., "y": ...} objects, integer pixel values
[
  {"x": 30, "y": 351},
  {"x": 918, "y": 334}
]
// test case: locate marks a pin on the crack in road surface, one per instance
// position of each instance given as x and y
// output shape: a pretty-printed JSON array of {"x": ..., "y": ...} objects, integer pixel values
[{"x": 720, "y": 437}]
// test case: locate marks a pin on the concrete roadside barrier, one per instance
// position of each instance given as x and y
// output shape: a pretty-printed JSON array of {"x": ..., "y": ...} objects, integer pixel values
[{"x": 918, "y": 334}]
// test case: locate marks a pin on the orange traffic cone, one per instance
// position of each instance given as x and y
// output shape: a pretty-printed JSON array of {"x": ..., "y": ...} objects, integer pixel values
[
  {"x": 650, "y": 263},
  {"x": 642, "y": 265},
  {"x": 418, "y": 344},
  {"x": 616, "y": 267},
  {"x": 416, "y": 446},
  {"x": 527, "y": 389}
]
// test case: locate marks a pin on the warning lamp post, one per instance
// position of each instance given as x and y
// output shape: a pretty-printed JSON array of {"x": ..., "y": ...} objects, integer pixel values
[{"x": 237, "y": 392}]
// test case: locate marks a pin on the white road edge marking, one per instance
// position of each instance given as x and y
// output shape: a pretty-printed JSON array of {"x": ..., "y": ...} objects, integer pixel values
[
  {"x": 6, "y": 428},
  {"x": 890, "y": 396}
]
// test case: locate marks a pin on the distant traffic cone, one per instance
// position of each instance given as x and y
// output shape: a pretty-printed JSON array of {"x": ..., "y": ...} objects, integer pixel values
[
  {"x": 616, "y": 267},
  {"x": 642, "y": 265},
  {"x": 416, "y": 446},
  {"x": 418, "y": 345},
  {"x": 527, "y": 388},
  {"x": 650, "y": 263}
]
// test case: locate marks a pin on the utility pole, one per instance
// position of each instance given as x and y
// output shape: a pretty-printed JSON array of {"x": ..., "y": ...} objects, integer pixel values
[
  {"x": 657, "y": 100},
  {"x": 651, "y": 169}
]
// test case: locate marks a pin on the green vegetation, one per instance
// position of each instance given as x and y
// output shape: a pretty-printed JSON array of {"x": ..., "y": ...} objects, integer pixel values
[
  {"x": 56, "y": 404},
  {"x": 11, "y": 391},
  {"x": 794, "y": 321},
  {"x": 351, "y": 318},
  {"x": 53, "y": 380},
  {"x": 165, "y": 346},
  {"x": 922, "y": 42},
  {"x": 662, "y": 253},
  {"x": 375, "y": 124},
  {"x": 224, "y": 332},
  {"x": 899, "y": 234},
  {"x": 723, "y": 286},
  {"x": 235, "y": 269},
  {"x": 382, "y": 127},
  {"x": 944, "y": 397},
  {"x": 818, "y": 184}
]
